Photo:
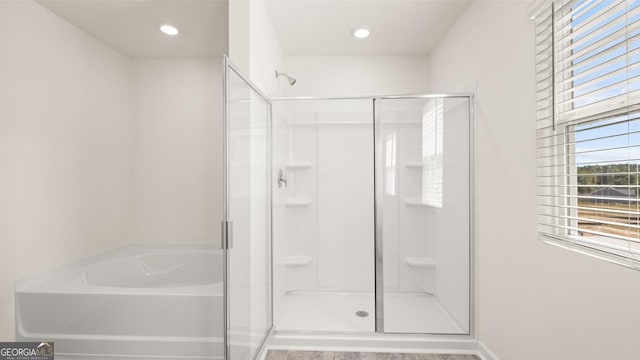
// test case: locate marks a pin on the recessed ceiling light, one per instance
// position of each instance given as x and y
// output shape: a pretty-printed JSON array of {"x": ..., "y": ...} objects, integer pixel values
[
  {"x": 361, "y": 33},
  {"x": 169, "y": 29}
]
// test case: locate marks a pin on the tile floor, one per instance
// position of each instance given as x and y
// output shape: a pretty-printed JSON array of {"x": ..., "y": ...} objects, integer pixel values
[{"x": 327, "y": 355}]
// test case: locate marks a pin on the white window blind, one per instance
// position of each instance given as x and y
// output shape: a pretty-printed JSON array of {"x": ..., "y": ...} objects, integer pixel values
[{"x": 588, "y": 126}]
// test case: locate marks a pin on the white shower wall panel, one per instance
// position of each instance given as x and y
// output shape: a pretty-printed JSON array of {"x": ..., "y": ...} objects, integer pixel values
[
  {"x": 413, "y": 222},
  {"x": 345, "y": 205},
  {"x": 301, "y": 231},
  {"x": 328, "y": 147},
  {"x": 406, "y": 233},
  {"x": 279, "y": 136}
]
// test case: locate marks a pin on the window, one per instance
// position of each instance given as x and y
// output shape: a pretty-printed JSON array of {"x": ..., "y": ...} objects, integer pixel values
[
  {"x": 432, "y": 151},
  {"x": 588, "y": 126}
]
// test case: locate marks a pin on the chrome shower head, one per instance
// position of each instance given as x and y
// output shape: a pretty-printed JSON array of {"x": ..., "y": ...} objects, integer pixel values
[{"x": 290, "y": 79}]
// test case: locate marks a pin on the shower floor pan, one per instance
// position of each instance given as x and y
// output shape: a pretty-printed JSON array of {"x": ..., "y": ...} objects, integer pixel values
[
  {"x": 138, "y": 301},
  {"x": 327, "y": 311}
]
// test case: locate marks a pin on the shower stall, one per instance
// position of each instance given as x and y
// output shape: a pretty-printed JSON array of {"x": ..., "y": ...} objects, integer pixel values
[{"x": 346, "y": 215}]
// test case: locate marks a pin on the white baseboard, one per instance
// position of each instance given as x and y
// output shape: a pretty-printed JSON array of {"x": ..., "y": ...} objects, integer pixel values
[{"x": 485, "y": 353}]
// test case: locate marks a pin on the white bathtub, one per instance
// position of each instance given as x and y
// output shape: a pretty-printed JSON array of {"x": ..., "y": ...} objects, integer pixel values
[{"x": 139, "y": 301}]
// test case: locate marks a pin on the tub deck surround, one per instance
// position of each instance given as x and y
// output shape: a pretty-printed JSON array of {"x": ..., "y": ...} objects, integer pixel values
[
  {"x": 328, "y": 355},
  {"x": 137, "y": 300}
]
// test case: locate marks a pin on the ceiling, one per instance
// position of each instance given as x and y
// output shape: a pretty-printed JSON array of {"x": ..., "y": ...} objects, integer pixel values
[
  {"x": 131, "y": 26},
  {"x": 303, "y": 27},
  {"x": 398, "y": 27}
]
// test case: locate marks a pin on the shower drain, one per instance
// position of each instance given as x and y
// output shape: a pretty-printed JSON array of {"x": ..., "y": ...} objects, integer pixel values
[{"x": 362, "y": 313}]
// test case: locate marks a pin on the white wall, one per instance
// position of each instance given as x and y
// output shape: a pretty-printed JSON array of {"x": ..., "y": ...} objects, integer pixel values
[
  {"x": 356, "y": 75},
  {"x": 534, "y": 301},
  {"x": 266, "y": 55},
  {"x": 239, "y": 33},
  {"x": 178, "y": 150},
  {"x": 65, "y": 146},
  {"x": 254, "y": 46}
]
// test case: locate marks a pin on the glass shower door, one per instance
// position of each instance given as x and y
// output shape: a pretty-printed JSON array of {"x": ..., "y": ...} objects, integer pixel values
[
  {"x": 247, "y": 214},
  {"x": 423, "y": 215}
]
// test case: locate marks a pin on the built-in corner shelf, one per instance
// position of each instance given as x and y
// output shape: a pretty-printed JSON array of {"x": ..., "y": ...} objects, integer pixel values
[
  {"x": 298, "y": 165},
  {"x": 420, "y": 262},
  {"x": 413, "y": 164},
  {"x": 297, "y": 202},
  {"x": 296, "y": 261}
]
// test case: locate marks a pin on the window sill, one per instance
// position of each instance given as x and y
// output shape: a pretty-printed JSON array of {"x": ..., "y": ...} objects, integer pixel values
[{"x": 591, "y": 252}]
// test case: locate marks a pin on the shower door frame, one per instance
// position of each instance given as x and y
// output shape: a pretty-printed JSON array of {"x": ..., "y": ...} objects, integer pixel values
[
  {"x": 226, "y": 242},
  {"x": 378, "y": 208},
  {"x": 378, "y": 233}
]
